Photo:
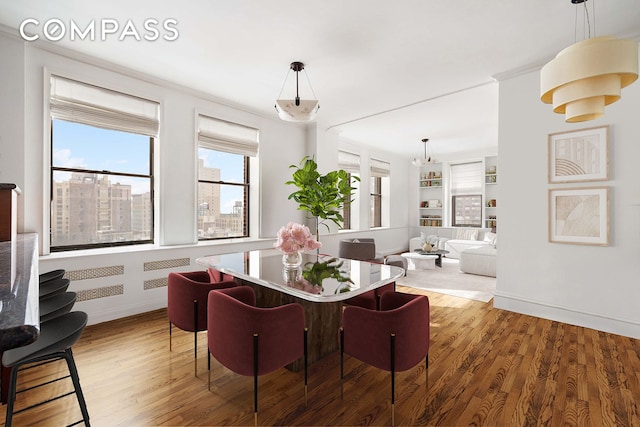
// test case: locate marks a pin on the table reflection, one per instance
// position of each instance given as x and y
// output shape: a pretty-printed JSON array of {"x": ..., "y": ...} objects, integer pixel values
[{"x": 339, "y": 279}]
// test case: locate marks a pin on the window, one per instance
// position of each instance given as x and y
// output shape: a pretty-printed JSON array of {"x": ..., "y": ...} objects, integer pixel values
[
  {"x": 375, "y": 216},
  {"x": 379, "y": 182},
  {"x": 467, "y": 211},
  {"x": 101, "y": 167},
  {"x": 224, "y": 153},
  {"x": 351, "y": 164},
  {"x": 466, "y": 194}
]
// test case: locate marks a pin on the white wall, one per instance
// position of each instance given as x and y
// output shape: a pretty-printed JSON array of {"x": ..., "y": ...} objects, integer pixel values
[
  {"x": 12, "y": 115},
  {"x": 24, "y": 139},
  {"x": 596, "y": 287}
]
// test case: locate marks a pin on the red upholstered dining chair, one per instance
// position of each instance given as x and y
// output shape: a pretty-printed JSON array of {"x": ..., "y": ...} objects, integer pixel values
[
  {"x": 187, "y": 303},
  {"x": 395, "y": 338},
  {"x": 364, "y": 249},
  {"x": 254, "y": 341},
  {"x": 216, "y": 276}
]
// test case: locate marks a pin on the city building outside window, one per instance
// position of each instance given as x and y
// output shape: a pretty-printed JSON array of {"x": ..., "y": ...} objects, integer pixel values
[
  {"x": 375, "y": 216},
  {"x": 350, "y": 163},
  {"x": 466, "y": 194},
  {"x": 224, "y": 152},
  {"x": 379, "y": 193},
  {"x": 101, "y": 167}
]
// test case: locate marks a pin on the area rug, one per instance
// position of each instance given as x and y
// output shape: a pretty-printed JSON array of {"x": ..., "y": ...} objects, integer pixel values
[{"x": 451, "y": 281}]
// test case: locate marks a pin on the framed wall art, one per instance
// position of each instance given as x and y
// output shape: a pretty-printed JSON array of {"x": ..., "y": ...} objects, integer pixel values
[
  {"x": 579, "y": 215},
  {"x": 581, "y": 155}
]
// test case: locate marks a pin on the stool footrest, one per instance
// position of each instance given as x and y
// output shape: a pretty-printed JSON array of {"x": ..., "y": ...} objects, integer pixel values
[{"x": 35, "y": 405}]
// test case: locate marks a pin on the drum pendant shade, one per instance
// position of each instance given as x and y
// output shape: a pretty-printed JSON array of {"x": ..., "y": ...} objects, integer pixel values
[{"x": 588, "y": 75}]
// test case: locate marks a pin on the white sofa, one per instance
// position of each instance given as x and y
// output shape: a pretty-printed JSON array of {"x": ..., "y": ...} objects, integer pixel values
[
  {"x": 452, "y": 239},
  {"x": 479, "y": 260},
  {"x": 474, "y": 247},
  {"x": 466, "y": 239}
]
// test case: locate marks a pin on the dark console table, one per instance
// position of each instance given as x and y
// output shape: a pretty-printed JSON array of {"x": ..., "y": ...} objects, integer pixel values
[{"x": 19, "y": 295}]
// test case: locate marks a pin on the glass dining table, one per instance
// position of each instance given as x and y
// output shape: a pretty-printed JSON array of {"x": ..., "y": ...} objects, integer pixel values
[{"x": 275, "y": 284}]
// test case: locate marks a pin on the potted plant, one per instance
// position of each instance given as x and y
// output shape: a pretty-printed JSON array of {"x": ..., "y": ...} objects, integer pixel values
[{"x": 323, "y": 196}]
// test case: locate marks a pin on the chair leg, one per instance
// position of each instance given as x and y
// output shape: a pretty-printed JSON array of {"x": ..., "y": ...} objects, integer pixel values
[
  {"x": 208, "y": 369},
  {"x": 170, "y": 335},
  {"x": 13, "y": 379},
  {"x": 255, "y": 379},
  {"x": 195, "y": 337},
  {"x": 426, "y": 370},
  {"x": 341, "y": 363},
  {"x": 71, "y": 364},
  {"x": 393, "y": 378},
  {"x": 306, "y": 354}
]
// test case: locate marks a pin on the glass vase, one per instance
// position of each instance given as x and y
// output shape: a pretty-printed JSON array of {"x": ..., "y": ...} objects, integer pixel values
[{"x": 292, "y": 259}]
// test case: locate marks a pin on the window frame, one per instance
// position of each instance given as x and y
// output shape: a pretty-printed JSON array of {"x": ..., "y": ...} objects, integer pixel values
[
  {"x": 246, "y": 196},
  {"x": 453, "y": 211},
  {"x": 53, "y": 169},
  {"x": 375, "y": 196}
]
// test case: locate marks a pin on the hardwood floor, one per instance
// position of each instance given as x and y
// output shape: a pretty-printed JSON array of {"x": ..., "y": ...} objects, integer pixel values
[{"x": 486, "y": 367}]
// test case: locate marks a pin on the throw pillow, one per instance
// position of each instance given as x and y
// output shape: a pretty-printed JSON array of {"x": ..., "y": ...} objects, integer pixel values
[
  {"x": 490, "y": 237},
  {"x": 467, "y": 234}
]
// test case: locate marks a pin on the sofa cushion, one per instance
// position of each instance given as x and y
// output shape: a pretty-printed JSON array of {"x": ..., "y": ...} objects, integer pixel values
[
  {"x": 456, "y": 246},
  {"x": 467, "y": 234}
]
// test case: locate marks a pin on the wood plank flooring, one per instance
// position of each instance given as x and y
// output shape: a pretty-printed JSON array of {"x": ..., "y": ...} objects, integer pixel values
[{"x": 487, "y": 367}]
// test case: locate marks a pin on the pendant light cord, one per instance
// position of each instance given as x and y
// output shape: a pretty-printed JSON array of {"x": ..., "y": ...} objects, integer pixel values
[
  {"x": 308, "y": 81},
  {"x": 588, "y": 21},
  {"x": 284, "y": 83}
]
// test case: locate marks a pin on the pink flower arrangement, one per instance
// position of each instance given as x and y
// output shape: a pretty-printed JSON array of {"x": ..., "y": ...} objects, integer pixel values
[{"x": 295, "y": 237}]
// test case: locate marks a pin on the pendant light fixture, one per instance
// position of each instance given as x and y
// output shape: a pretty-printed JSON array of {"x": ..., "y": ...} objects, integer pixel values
[
  {"x": 589, "y": 74},
  {"x": 297, "y": 110},
  {"x": 417, "y": 161}
]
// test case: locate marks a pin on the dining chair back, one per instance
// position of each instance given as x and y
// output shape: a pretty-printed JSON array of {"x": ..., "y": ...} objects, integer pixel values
[
  {"x": 254, "y": 341},
  {"x": 395, "y": 338}
]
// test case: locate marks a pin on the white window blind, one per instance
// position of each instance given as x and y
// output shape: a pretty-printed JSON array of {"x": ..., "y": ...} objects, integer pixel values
[
  {"x": 221, "y": 135},
  {"x": 379, "y": 168},
  {"x": 349, "y": 162},
  {"x": 92, "y": 105},
  {"x": 466, "y": 178}
]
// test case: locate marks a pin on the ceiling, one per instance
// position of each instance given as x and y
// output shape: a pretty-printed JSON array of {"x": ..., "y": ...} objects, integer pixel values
[{"x": 387, "y": 74}]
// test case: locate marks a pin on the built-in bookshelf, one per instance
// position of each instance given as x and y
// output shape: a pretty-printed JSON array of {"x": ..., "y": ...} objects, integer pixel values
[
  {"x": 491, "y": 192},
  {"x": 431, "y": 195}
]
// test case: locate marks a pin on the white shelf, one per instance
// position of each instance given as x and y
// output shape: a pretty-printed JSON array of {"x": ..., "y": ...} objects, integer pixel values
[{"x": 431, "y": 189}]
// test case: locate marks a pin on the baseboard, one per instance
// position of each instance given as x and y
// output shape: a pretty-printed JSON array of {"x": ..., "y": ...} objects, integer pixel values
[
  {"x": 113, "y": 313},
  {"x": 599, "y": 322}
]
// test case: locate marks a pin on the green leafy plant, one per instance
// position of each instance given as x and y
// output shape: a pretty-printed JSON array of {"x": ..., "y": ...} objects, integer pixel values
[
  {"x": 323, "y": 196},
  {"x": 316, "y": 272}
]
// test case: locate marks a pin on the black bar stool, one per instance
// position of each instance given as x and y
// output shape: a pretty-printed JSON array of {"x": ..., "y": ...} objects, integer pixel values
[
  {"x": 56, "y": 305},
  {"x": 57, "y": 336},
  {"x": 53, "y": 287},
  {"x": 50, "y": 275}
]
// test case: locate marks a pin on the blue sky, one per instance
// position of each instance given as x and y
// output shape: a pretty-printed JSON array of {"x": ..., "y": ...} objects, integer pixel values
[
  {"x": 108, "y": 150},
  {"x": 129, "y": 153}
]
